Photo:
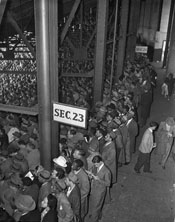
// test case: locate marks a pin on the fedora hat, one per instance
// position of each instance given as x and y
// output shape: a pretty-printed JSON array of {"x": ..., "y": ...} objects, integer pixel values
[
  {"x": 61, "y": 161},
  {"x": 15, "y": 180},
  {"x": 25, "y": 203},
  {"x": 19, "y": 157},
  {"x": 15, "y": 167},
  {"x": 44, "y": 174},
  {"x": 170, "y": 121},
  {"x": 7, "y": 196}
]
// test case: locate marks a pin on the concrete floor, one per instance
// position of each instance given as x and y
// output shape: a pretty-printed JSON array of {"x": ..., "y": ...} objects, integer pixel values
[{"x": 146, "y": 197}]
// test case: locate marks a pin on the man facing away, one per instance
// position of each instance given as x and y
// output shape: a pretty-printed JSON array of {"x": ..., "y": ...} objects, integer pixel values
[{"x": 145, "y": 148}]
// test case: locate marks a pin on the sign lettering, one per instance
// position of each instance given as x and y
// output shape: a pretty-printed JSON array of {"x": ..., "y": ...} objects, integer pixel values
[
  {"x": 141, "y": 49},
  {"x": 71, "y": 115}
]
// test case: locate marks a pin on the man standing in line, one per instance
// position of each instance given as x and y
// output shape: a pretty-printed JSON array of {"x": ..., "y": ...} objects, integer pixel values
[
  {"x": 165, "y": 139},
  {"x": 101, "y": 180},
  {"x": 145, "y": 149}
]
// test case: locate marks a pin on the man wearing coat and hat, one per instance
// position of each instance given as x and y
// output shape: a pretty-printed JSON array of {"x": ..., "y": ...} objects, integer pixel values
[
  {"x": 165, "y": 136},
  {"x": 26, "y": 209},
  {"x": 45, "y": 189},
  {"x": 9, "y": 190}
]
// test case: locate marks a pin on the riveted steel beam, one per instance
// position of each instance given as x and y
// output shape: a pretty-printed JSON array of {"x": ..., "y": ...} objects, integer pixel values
[{"x": 102, "y": 18}]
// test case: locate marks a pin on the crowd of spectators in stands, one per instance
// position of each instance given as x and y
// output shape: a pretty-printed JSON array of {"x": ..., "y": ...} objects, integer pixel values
[
  {"x": 16, "y": 87},
  {"x": 86, "y": 169}
]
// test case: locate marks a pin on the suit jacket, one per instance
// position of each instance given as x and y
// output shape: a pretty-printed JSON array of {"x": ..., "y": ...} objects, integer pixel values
[
  {"x": 94, "y": 144},
  {"x": 32, "y": 191},
  {"x": 33, "y": 216},
  {"x": 75, "y": 201},
  {"x": 133, "y": 132},
  {"x": 132, "y": 128},
  {"x": 146, "y": 144},
  {"x": 125, "y": 134},
  {"x": 85, "y": 164},
  {"x": 101, "y": 144},
  {"x": 24, "y": 167},
  {"x": 162, "y": 136},
  {"x": 7, "y": 196},
  {"x": 99, "y": 186},
  {"x": 51, "y": 216},
  {"x": 110, "y": 159},
  {"x": 33, "y": 159},
  {"x": 44, "y": 191},
  {"x": 83, "y": 183},
  {"x": 65, "y": 212}
]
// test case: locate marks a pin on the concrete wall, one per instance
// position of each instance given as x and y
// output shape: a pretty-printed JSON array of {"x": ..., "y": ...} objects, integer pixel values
[
  {"x": 162, "y": 33},
  {"x": 150, "y": 19}
]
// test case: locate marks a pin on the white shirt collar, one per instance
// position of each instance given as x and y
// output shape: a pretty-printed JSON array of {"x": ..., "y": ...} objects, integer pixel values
[
  {"x": 100, "y": 167},
  {"x": 150, "y": 130},
  {"x": 70, "y": 190},
  {"x": 77, "y": 171},
  {"x": 99, "y": 137}
]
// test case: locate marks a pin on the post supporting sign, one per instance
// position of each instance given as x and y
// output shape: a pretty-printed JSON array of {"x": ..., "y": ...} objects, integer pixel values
[
  {"x": 70, "y": 115},
  {"x": 141, "y": 49}
]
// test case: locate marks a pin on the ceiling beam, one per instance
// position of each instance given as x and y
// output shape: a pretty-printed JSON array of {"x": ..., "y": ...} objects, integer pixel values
[
  {"x": 14, "y": 24},
  {"x": 69, "y": 20},
  {"x": 2, "y": 8}
]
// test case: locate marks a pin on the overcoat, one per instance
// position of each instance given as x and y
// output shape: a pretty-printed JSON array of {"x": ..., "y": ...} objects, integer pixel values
[{"x": 110, "y": 159}]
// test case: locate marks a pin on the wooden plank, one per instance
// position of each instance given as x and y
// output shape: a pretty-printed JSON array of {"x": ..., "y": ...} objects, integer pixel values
[
  {"x": 86, "y": 75},
  {"x": 18, "y": 72},
  {"x": 21, "y": 59},
  {"x": 33, "y": 111},
  {"x": 87, "y": 59},
  {"x": 69, "y": 20}
]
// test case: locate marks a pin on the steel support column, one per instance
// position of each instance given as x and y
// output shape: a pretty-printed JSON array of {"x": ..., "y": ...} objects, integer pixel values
[
  {"x": 2, "y": 8},
  {"x": 53, "y": 61},
  {"x": 43, "y": 79},
  {"x": 171, "y": 54},
  {"x": 133, "y": 27},
  {"x": 122, "y": 40},
  {"x": 102, "y": 17},
  {"x": 69, "y": 20}
]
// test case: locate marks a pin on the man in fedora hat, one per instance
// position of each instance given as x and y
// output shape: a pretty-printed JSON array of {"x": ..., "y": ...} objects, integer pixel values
[
  {"x": 73, "y": 194},
  {"x": 20, "y": 159},
  {"x": 62, "y": 162},
  {"x": 165, "y": 136},
  {"x": 9, "y": 190},
  {"x": 83, "y": 184},
  {"x": 101, "y": 180},
  {"x": 26, "y": 209},
  {"x": 45, "y": 189}
]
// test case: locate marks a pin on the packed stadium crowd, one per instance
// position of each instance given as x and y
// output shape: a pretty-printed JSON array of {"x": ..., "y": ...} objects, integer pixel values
[{"x": 85, "y": 171}]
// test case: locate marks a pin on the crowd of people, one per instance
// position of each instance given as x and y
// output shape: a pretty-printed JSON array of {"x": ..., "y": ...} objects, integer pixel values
[
  {"x": 83, "y": 174},
  {"x": 18, "y": 88}
]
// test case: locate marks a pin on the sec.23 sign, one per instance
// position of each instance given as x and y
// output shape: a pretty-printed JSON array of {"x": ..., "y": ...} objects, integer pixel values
[{"x": 71, "y": 115}]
